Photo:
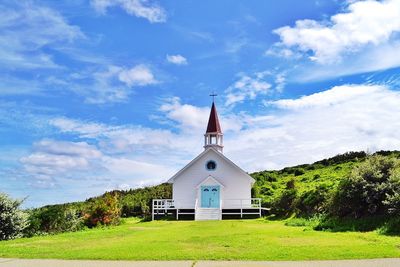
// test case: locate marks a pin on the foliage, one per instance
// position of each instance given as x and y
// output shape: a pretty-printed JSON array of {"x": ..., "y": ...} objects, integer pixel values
[
  {"x": 336, "y": 224},
  {"x": 369, "y": 190},
  {"x": 284, "y": 206},
  {"x": 103, "y": 211},
  {"x": 137, "y": 202},
  {"x": 342, "y": 192},
  {"x": 391, "y": 227},
  {"x": 53, "y": 219},
  {"x": 313, "y": 201},
  {"x": 12, "y": 219},
  {"x": 349, "y": 192},
  {"x": 342, "y": 158}
]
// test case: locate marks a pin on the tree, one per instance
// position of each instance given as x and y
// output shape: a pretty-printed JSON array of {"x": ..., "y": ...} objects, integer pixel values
[
  {"x": 12, "y": 219},
  {"x": 104, "y": 211},
  {"x": 369, "y": 190}
]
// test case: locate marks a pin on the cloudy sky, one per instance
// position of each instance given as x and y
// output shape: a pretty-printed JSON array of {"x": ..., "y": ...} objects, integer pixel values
[{"x": 114, "y": 94}]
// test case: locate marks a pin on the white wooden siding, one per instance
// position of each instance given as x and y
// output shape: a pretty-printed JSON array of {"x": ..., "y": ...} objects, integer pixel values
[{"x": 236, "y": 184}]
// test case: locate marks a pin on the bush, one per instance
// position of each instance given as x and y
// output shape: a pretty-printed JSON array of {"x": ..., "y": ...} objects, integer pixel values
[
  {"x": 336, "y": 224},
  {"x": 284, "y": 204},
  {"x": 53, "y": 219},
  {"x": 392, "y": 201},
  {"x": 370, "y": 189},
  {"x": 12, "y": 220},
  {"x": 313, "y": 201},
  {"x": 104, "y": 211},
  {"x": 298, "y": 172},
  {"x": 391, "y": 227}
]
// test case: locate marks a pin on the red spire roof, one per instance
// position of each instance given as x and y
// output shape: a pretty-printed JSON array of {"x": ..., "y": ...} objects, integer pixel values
[{"x": 213, "y": 122}]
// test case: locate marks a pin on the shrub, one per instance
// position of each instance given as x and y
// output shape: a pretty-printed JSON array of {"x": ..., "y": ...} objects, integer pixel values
[
  {"x": 391, "y": 227},
  {"x": 12, "y": 220},
  {"x": 392, "y": 201},
  {"x": 53, "y": 219},
  {"x": 283, "y": 205},
  {"x": 313, "y": 201},
  {"x": 369, "y": 190},
  {"x": 104, "y": 211},
  {"x": 335, "y": 224},
  {"x": 298, "y": 172}
]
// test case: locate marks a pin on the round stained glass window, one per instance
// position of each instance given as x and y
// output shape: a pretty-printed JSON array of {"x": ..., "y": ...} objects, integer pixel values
[{"x": 211, "y": 165}]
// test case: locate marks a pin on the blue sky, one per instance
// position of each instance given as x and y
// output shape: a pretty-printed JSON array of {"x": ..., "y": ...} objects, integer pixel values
[{"x": 113, "y": 94}]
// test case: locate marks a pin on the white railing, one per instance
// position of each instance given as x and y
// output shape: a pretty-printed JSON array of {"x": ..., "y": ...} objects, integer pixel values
[
  {"x": 164, "y": 205},
  {"x": 245, "y": 203}
]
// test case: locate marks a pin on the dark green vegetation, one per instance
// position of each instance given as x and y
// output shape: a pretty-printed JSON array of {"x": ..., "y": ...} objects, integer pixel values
[
  {"x": 106, "y": 209},
  {"x": 258, "y": 239},
  {"x": 349, "y": 192}
]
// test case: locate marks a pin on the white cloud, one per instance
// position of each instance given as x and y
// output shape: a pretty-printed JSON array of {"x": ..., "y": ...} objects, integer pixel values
[
  {"x": 306, "y": 129},
  {"x": 336, "y": 95},
  {"x": 302, "y": 130},
  {"x": 111, "y": 85},
  {"x": 189, "y": 117},
  {"x": 78, "y": 149},
  {"x": 51, "y": 158},
  {"x": 139, "y": 8},
  {"x": 139, "y": 75},
  {"x": 193, "y": 120},
  {"x": 366, "y": 23},
  {"x": 344, "y": 118},
  {"x": 177, "y": 59},
  {"x": 382, "y": 57},
  {"x": 247, "y": 87},
  {"x": 27, "y": 28}
]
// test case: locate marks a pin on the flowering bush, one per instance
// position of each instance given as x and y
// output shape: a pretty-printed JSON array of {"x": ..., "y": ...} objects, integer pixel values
[{"x": 12, "y": 220}]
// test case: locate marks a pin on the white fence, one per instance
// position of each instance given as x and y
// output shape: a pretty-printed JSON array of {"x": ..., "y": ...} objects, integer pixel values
[{"x": 246, "y": 206}]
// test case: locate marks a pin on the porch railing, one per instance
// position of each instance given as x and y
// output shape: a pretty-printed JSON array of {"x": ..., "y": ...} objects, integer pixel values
[{"x": 243, "y": 205}]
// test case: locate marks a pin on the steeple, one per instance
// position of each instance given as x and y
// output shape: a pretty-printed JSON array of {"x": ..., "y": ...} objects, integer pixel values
[{"x": 213, "y": 136}]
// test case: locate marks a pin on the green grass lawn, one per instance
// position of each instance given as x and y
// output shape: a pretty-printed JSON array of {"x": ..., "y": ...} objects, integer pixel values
[{"x": 212, "y": 240}]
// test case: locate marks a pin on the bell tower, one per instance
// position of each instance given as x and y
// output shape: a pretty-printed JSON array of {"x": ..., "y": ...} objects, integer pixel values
[{"x": 213, "y": 136}]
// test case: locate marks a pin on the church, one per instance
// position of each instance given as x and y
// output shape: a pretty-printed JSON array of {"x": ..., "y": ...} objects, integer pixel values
[{"x": 211, "y": 186}]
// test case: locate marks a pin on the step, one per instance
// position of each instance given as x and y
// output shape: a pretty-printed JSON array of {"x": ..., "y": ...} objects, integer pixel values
[{"x": 207, "y": 214}]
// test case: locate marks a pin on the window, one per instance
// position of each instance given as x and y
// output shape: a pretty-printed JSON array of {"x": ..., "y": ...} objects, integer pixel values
[
  {"x": 206, "y": 190},
  {"x": 214, "y": 190},
  {"x": 211, "y": 165}
]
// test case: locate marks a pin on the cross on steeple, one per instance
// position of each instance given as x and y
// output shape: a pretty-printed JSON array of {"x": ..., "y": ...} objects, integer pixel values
[{"x": 213, "y": 94}]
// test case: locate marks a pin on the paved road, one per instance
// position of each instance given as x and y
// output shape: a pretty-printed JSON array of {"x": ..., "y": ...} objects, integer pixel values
[{"x": 79, "y": 263}]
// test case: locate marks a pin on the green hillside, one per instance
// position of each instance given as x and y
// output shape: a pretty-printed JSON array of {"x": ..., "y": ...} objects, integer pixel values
[{"x": 352, "y": 191}]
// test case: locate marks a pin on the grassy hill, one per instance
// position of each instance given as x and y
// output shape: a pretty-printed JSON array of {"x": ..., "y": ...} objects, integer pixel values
[
  {"x": 324, "y": 174},
  {"x": 304, "y": 191},
  {"x": 354, "y": 197}
]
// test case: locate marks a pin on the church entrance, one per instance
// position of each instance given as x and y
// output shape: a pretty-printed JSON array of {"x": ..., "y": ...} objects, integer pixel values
[{"x": 210, "y": 196}]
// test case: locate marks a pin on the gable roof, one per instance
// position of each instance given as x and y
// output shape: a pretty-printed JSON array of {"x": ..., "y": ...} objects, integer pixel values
[
  {"x": 171, "y": 180},
  {"x": 213, "y": 122},
  {"x": 212, "y": 178}
]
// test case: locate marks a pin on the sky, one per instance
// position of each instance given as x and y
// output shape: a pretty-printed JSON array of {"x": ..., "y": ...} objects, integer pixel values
[{"x": 99, "y": 95}]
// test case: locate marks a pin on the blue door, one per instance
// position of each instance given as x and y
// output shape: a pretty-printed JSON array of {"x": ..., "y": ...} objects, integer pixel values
[{"x": 210, "y": 196}]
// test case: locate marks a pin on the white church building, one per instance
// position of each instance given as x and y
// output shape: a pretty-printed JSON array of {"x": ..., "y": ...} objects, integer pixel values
[{"x": 211, "y": 186}]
